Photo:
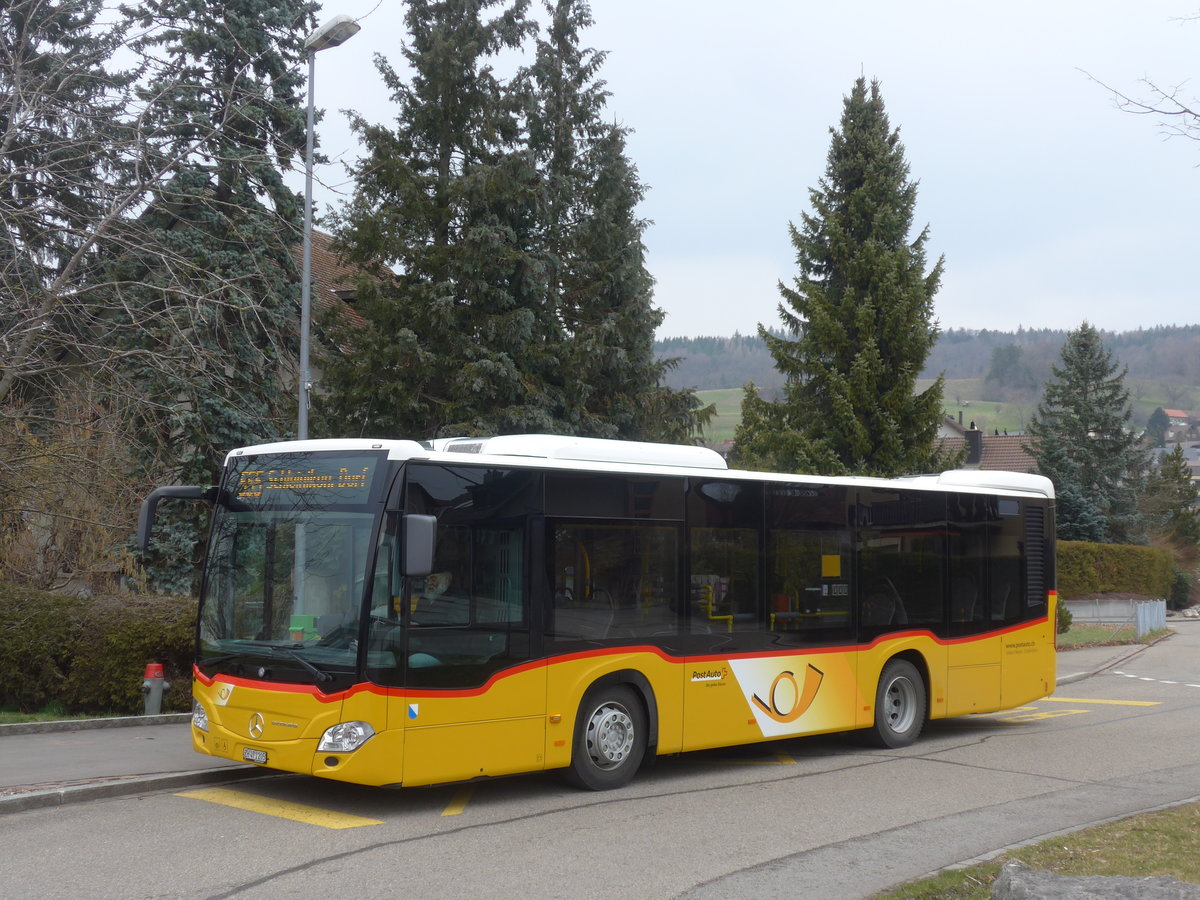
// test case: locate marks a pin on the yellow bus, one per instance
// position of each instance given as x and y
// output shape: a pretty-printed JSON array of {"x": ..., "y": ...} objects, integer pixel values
[{"x": 406, "y": 613}]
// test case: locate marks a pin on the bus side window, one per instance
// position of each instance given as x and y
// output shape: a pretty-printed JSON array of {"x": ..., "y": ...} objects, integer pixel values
[{"x": 614, "y": 580}]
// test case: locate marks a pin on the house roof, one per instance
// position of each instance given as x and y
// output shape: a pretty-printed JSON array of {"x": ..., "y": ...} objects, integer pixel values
[
  {"x": 1177, "y": 414},
  {"x": 1001, "y": 452},
  {"x": 333, "y": 280}
]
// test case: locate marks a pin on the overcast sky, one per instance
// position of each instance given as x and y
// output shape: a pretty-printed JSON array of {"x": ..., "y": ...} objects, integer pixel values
[{"x": 1050, "y": 204}]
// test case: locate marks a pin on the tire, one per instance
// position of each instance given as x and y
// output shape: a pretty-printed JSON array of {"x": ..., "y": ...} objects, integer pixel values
[
  {"x": 900, "y": 705},
  {"x": 610, "y": 739}
]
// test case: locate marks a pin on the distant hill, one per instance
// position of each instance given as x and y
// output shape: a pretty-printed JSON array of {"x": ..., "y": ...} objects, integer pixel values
[
  {"x": 716, "y": 363},
  {"x": 1163, "y": 362}
]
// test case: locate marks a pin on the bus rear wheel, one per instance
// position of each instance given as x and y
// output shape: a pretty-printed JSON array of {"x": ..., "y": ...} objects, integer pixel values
[
  {"x": 900, "y": 705},
  {"x": 610, "y": 739}
]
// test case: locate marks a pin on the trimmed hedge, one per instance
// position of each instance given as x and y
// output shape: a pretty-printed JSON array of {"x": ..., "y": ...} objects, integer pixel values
[
  {"x": 89, "y": 653},
  {"x": 1086, "y": 568}
]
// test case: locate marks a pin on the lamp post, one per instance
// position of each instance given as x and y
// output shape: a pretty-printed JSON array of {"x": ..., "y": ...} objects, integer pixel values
[{"x": 336, "y": 31}]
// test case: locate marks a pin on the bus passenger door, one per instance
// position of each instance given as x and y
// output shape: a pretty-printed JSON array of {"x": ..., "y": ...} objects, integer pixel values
[{"x": 474, "y": 697}]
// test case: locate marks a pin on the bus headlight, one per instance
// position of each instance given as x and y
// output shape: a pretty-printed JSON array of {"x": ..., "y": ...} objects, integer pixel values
[
  {"x": 199, "y": 716},
  {"x": 345, "y": 737}
]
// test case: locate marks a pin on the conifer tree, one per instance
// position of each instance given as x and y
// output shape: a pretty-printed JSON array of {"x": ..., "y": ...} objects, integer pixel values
[
  {"x": 1082, "y": 443},
  {"x": 446, "y": 200},
  {"x": 214, "y": 288},
  {"x": 598, "y": 284},
  {"x": 521, "y": 301},
  {"x": 610, "y": 316},
  {"x": 858, "y": 319},
  {"x": 64, "y": 165},
  {"x": 1169, "y": 503}
]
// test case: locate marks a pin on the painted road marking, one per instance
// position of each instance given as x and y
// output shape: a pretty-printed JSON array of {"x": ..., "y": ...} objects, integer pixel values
[
  {"x": 1037, "y": 716},
  {"x": 1103, "y": 702},
  {"x": 282, "y": 809},
  {"x": 458, "y": 803},
  {"x": 1159, "y": 680}
]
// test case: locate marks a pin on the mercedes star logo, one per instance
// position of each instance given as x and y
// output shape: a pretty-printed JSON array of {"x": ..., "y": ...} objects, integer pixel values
[{"x": 256, "y": 725}]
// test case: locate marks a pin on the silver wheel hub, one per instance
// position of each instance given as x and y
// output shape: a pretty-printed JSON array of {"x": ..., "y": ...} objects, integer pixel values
[
  {"x": 900, "y": 704},
  {"x": 610, "y": 736}
]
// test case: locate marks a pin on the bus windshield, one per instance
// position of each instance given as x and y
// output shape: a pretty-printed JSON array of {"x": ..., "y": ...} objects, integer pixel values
[{"x": 287, "y": 565}]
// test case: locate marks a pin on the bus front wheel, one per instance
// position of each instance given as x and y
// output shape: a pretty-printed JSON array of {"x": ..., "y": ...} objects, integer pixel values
[
  {"x": 900, "y": 704},
  {"x": 610, "y": 739}
]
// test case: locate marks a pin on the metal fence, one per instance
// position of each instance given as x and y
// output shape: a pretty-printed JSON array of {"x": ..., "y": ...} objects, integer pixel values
[{"x": 1150, "y": 615}]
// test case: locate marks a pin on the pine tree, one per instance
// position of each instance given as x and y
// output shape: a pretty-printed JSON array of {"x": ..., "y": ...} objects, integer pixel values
[
  {"x": 1082, "y": 443},
  {"x": 446, "y": 199},
  {"x": 214, "y": 287},
  {"x": 597, "y": 279},
  {"x": 1169, "y": 502},
  {"x": 216, "y": 280},
  {"x": 522, "y": 301},
  {"x": 1157, "y": 426},
  {"x": 859, "y": 319},
  {"x": 64, "y": 166}
]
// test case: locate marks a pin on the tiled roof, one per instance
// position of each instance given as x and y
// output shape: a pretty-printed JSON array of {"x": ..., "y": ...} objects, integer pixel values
[
  {"x": 1001, "y": 452},
  {"x": 332, "y": 279}
]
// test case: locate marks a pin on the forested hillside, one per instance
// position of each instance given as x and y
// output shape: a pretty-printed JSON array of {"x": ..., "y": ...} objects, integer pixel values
[{"x": 1164, "y": 361}]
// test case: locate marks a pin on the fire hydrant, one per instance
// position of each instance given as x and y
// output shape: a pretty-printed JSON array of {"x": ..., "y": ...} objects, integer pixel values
[{"x": 153, "y": 685}]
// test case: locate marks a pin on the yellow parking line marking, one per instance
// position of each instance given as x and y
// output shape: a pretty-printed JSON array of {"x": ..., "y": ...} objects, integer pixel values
[
  {"x": 458, "y": 803},
  {"x": 283, "y": 809},
  {"x": 784, "y": 758},
  {"x": 1102, "y": 702}
]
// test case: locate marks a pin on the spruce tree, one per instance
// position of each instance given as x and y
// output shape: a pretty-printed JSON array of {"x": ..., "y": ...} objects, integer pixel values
[
  {"x": 1081, "y": 442},
  {"x": 65, "y": 164},
  {"x": 1157, "y": 426},
  {"x": 214, "y": 288},
  {"x": 858, "y": 319},
  {"x": 445, "y": 199},
  {"x": 1169, "y": 503},
  {"x": 604, "y": 367},
  {"x": 522, "y": 302}
]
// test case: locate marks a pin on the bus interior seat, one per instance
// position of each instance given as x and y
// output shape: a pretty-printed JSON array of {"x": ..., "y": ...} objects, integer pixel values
[
  {"x": 964, "y": 599},
  {"x": 882, "y": 605}
]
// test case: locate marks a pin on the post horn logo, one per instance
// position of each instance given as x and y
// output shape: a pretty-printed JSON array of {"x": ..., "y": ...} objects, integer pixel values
[
  {"x": 801, "y": 699},
  {"x": 256, "y": 725}
]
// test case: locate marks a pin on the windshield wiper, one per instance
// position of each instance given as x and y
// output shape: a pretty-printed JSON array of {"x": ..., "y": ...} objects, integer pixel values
[{"x": 319, "y": 674}]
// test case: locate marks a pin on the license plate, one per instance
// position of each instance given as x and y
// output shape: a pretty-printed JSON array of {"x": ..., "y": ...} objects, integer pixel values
[{"x": 249, "y": 754}]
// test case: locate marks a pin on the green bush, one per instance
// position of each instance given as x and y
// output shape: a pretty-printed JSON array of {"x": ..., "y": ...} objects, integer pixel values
[
  {"x": 1181, "y": 590},
  {"x": 89, "y": 653},
  {"x": 1086, "y": 568},
  {"x": 1062, "y": 616}
]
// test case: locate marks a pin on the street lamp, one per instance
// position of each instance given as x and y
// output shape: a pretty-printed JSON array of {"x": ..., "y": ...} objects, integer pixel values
[{"x": 336, "y": 31}]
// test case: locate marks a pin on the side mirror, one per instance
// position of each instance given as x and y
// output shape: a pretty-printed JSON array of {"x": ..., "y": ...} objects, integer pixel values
[
  {"x": 419, "y": 534},
  {"x": 150, "y": 507}
]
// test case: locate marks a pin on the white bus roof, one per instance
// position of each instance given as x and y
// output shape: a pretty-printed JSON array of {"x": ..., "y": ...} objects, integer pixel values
[{"x": 600, "y": 454}]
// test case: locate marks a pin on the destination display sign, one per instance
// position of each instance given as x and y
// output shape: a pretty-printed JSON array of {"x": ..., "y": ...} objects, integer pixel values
[{"x": 305, "y": 480}]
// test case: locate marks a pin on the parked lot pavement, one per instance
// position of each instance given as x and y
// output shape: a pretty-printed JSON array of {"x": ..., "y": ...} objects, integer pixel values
[{"x": 51, "y": 764}]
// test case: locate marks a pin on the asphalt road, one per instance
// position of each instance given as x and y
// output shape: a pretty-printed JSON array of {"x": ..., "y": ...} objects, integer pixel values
[{"x": 813, "y": 818}]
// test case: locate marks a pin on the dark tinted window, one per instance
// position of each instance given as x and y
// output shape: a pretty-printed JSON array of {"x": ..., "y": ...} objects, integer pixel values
[
  {"x": 901, "y": 541},
  {"x": 809, "y": 564},
  {"x": 471, "y": 617},
  {"x": 615, "y": 582},
  {"x": 596, "y": 495},
  {"x": 725, "y": 521}
]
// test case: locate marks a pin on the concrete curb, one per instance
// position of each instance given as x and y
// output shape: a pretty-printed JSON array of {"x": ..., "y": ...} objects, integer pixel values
[
  {"x": 1116, "y": 660},
  {"x": 126, "y": 786},
  {"x": 88, "y": 724},
  {"x": 1079, "y": 676}
]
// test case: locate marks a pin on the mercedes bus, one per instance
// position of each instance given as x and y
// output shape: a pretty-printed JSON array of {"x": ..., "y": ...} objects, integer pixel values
[{"x": 395, "y": 612}]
